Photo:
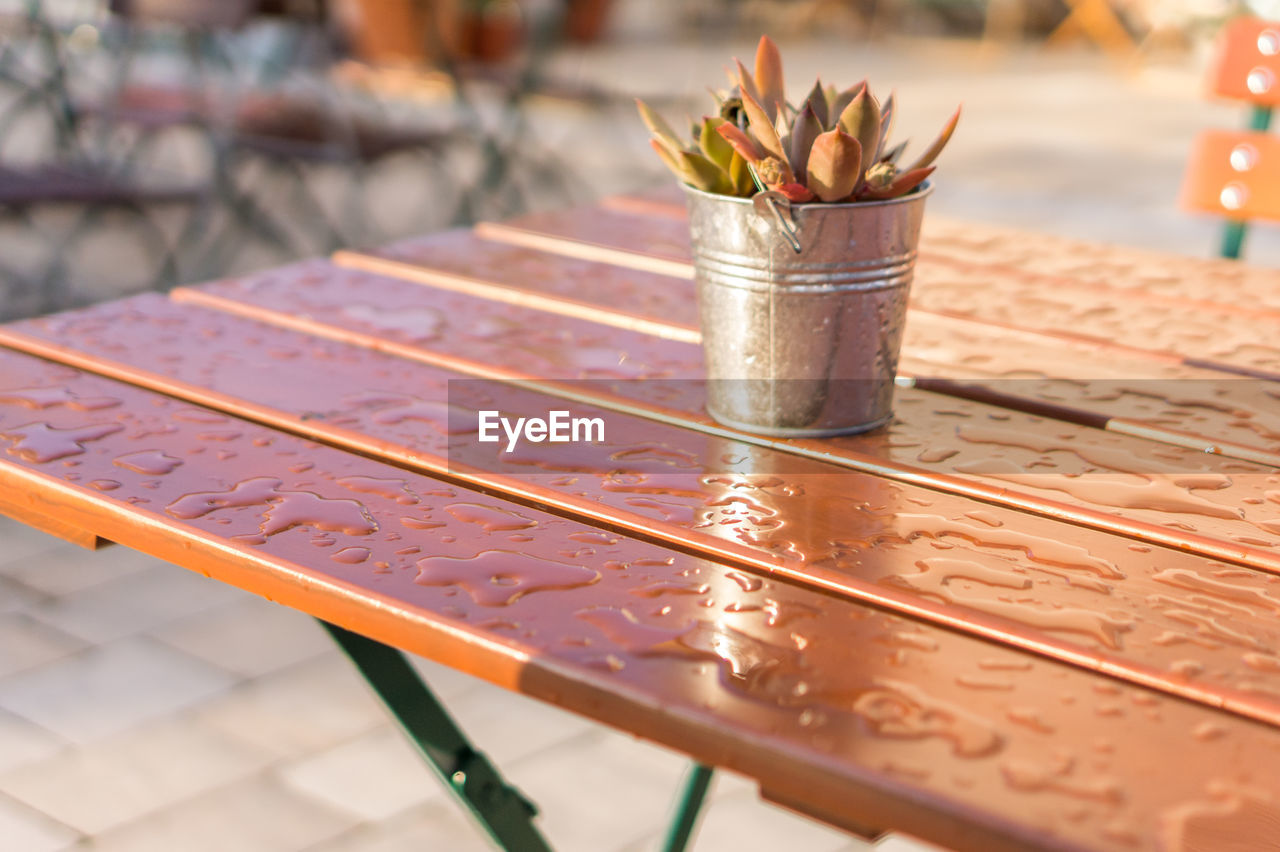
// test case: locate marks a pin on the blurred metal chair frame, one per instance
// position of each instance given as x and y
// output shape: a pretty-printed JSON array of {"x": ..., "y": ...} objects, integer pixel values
[
  {"x": 277, "y": 119},
  {"x": 72, "y": 179},
  {"x": 1098, "y": 21},
  {"x": 1237, "y": 174}
]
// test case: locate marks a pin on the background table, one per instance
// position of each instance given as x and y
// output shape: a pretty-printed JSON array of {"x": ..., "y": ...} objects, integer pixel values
[{"x": 1037, "y": 611}]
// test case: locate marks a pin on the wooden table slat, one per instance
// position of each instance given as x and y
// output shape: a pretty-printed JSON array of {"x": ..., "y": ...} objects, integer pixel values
[
  {"x": 1160, "y": 395},
  {"x": 1172, "y": 620},
  {"x": 862, "y": 716},
  {"x": 1221, "y": 505}
]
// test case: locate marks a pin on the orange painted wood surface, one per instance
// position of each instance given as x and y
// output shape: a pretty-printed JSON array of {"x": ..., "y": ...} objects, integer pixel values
[
  {"x": 1143, "y": 613},
  {"x": 1027, "y": 615},
  {"x": 870, "y": 719}
]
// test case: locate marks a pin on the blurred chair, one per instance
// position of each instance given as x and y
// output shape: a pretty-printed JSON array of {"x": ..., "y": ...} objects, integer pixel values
[
  {"x": 1237, "y": 174},
  {"x": 280, "y": 115},
  {"x": 92, "y": 197},
  {"x": 59, "y": 174},
  {"x": 1097, "y": 21}
]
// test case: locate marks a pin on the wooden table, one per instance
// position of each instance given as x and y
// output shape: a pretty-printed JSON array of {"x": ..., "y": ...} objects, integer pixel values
[{"x": 1041, "y": 610}]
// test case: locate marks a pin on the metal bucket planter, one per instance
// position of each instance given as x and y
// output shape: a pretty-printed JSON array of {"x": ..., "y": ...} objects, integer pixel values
[{"x": 802, "y": 309}]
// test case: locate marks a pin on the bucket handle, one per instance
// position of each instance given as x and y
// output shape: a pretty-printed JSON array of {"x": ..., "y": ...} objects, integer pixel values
[{"x": 780, "y": 206}]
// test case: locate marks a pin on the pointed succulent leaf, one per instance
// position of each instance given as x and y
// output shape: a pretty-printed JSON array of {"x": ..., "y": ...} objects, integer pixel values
[
  {"x": 901, "y": 185},
  {"x": 835, "y": 165},
  {"x": 704, "y": 174},
  {"x": 807, "y": 128},
  {"x": 861, "y": 120},
  {"x": 932, "y": 152},
  {"x": 669, "y": 159},
  {"x": 741, "y": 142},
  {"x": 714, "y": 146},
  {"x": 842, "y": 100},
  {"x": 795, "y": 192},
  {"x": 694, "y": 169},
  {"x": 768, "y": 78},
  {"x": 782, "y": 126},
  {"x": 746, "y": 84},
  {"x": 888, "y": 113},
  {"x": 817, "y": 100},
  {"x": 762, "y": 127},
  {"x": 740, "y": 176},
  {"x": 658, "y": 126},
  {"x": 892, "y": 155}
]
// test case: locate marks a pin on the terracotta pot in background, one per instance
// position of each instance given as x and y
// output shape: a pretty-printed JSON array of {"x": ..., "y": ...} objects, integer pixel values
[{"x": 585, "y": 20}]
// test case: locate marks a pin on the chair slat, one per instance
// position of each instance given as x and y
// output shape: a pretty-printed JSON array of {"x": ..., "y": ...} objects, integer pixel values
[
  {"x": 1235, "y": 174},
  {"x": 1247, "y": 67}
]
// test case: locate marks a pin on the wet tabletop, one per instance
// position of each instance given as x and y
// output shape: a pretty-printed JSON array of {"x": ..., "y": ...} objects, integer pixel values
[{"x": 990, "y": 624}]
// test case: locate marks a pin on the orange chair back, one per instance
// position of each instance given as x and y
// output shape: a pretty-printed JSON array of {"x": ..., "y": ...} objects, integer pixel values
[
  {"x": 1248, "y": 62},
  {"x": 1234, "y": 174}
]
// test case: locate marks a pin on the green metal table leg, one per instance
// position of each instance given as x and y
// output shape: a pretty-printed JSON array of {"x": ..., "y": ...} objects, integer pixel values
[
  {"x": 695, "y": 790},
  {"x": 503, "y": 812},
  {"x": 1233, "y": 233}
]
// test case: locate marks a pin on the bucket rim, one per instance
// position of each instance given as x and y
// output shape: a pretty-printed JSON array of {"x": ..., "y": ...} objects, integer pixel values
[{"x": 918, "y": 194}]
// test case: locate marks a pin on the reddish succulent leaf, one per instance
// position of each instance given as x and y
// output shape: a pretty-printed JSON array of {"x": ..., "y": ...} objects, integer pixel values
[
  {"x": 794, "y": 192},
  {"x": 932, "y": 152},
  {"x": 768, "y": 77},
  {"x": 741, "y": 142},
  {"x": 901, "y": 185},
  {"x": 835, "y": 165},
  {"x": 762, "y": 127},
  {"x": 807, "y": 128}
]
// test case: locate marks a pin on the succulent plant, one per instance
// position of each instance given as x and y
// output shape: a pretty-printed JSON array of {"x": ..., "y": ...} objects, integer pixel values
[{"x": 833, "y": 147}]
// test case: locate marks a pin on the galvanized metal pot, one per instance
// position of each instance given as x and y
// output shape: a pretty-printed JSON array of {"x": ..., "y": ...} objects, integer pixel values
[{"x": 802, "y": 308}]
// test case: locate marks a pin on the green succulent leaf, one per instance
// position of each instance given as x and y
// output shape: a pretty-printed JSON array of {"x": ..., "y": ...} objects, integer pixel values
[
  {"x": 740, "y": 176},
  {"x": 714, "y": 146},
  {"x": 705, "y": 175},
  {"x": 835, "y": 165}
]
